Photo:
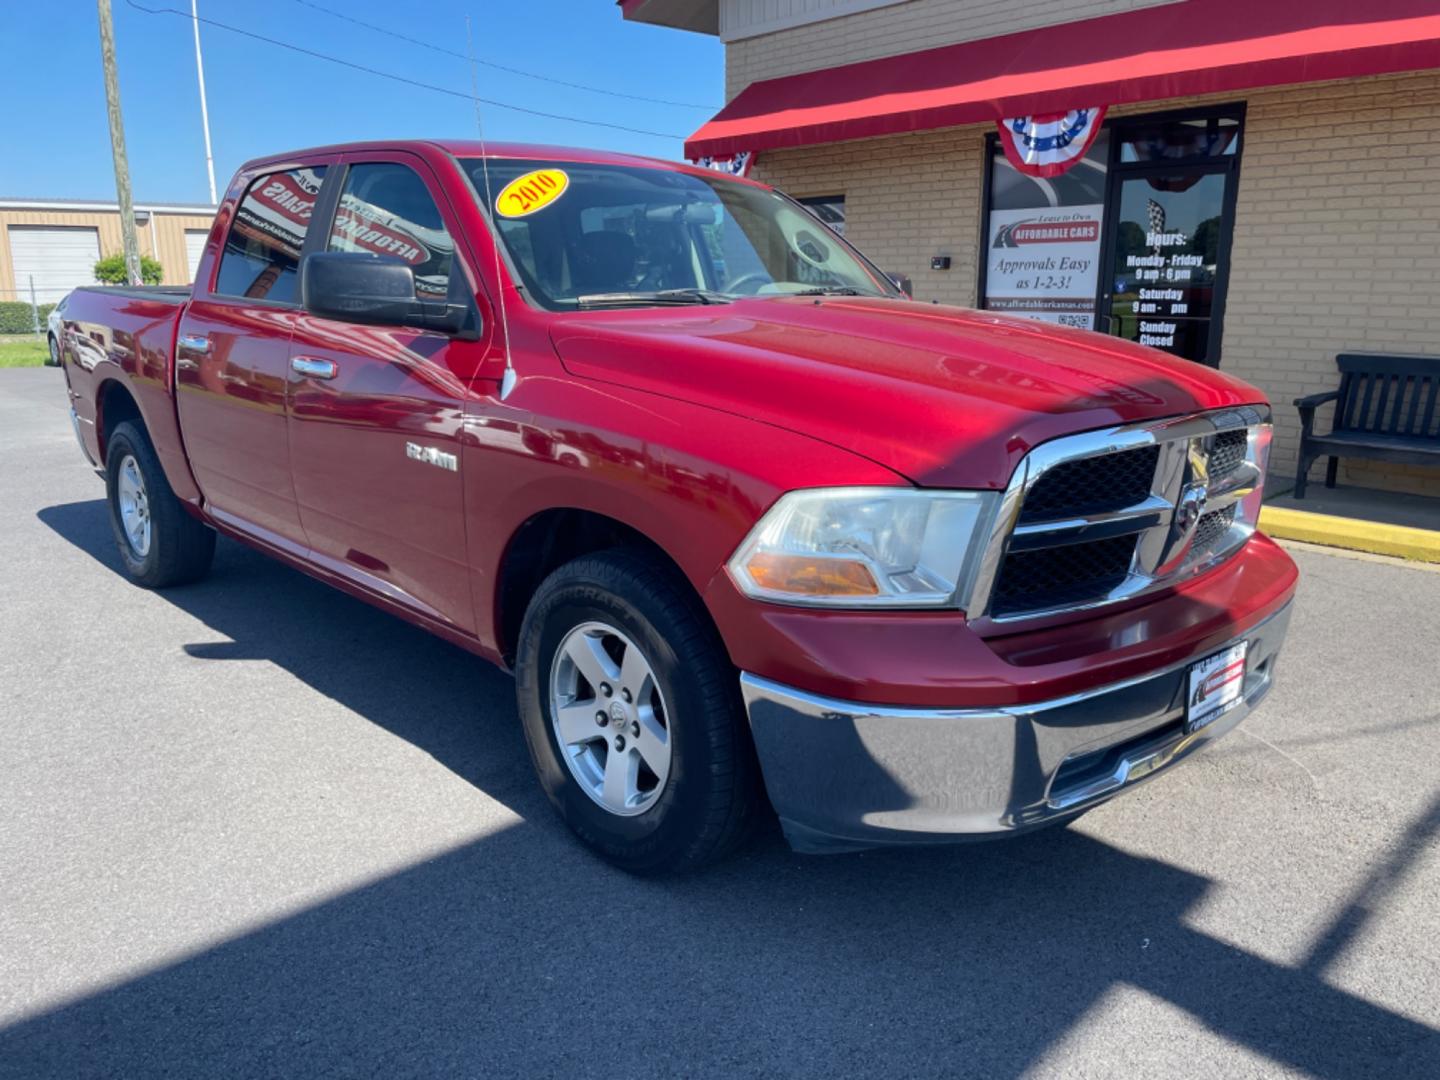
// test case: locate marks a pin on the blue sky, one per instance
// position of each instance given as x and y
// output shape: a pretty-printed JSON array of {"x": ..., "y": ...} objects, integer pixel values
[{"x": 265, "y": 99}]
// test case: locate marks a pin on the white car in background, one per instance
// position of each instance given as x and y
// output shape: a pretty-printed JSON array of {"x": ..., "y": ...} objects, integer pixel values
[{"x": 54, "y": 323}]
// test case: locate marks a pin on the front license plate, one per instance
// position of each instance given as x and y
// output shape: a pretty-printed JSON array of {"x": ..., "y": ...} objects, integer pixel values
[{"x": 1216, "y": 686}]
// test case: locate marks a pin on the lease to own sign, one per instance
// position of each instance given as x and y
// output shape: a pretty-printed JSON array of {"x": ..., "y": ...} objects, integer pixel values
[{"x": 1044, "y": 264}]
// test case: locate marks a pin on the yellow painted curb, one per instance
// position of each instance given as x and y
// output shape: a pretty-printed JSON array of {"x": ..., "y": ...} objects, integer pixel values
[{"x": 1401, "y": 541}]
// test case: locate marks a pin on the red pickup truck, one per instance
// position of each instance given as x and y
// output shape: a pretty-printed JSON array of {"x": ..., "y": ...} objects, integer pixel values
[{"x": 745, "y": 520}]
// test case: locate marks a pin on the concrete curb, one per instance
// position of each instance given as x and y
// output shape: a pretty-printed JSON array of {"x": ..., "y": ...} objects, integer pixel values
[{"x": 1400, "y": 541}]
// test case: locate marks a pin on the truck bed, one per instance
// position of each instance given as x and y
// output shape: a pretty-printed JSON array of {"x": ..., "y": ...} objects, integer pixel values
[
  {"x": 118, "y": 344},
  {"x": 170, "y": 294}
]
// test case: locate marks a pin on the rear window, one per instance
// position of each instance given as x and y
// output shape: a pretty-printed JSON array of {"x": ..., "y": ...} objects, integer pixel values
[{"x": 261, "y": 258}]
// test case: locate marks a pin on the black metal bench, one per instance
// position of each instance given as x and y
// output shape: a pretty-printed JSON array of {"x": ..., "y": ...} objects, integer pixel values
[{"x": 1384, "y": 410}]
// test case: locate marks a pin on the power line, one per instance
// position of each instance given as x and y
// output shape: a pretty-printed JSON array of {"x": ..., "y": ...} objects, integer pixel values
[
  {"x": 393, "y": 77},
  {"x": 499, "y": 67}
]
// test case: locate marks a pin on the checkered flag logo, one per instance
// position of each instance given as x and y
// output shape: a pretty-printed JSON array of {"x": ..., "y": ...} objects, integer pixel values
[{"x": 1157, "y": 217}]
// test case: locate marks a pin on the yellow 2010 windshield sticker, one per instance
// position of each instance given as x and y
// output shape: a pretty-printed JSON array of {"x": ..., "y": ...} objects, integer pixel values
[{"x": 533, "y": 191}]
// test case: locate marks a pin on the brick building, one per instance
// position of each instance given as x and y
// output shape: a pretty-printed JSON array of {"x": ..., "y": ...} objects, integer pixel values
[{"x": 1289, "y": 151}]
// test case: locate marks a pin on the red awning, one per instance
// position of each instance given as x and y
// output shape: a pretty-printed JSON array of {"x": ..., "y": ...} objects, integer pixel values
[{"x": 1171, "y": 51}]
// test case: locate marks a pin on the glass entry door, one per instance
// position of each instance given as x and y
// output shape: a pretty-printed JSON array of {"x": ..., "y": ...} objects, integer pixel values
[
  {"x": 1169, "y": 215},
  {"x": 1167, "y": 231}
]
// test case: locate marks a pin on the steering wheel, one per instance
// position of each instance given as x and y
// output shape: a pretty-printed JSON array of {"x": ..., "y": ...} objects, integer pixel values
[{"x": 758, "y": 277}]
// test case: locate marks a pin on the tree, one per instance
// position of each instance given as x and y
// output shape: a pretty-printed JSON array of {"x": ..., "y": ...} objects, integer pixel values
[
  {"x": 1206, "y": 241},
  {"x": 111, "y": 270},
  {"x": 1129, "y": 240}
]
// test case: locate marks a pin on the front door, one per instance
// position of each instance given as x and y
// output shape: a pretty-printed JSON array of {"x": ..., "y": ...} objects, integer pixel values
[
  {"x": 232, "y": 359},
  {"x": 1168, "y": 227},
  {"x": 377, "y": 412}
]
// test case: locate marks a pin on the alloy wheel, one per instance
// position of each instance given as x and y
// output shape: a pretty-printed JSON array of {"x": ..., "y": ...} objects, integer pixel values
[
  {"x": 134, "y": 506},
  {"x": 610, "y": 718}
]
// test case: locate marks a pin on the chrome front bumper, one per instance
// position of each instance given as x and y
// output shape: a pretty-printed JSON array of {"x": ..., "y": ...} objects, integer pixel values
[{"x": 846, "y": 775}]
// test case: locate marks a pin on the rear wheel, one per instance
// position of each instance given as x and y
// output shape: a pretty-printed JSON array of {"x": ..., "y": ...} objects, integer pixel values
[
  {"x": 160, "y": 542},
  {"x": 633, "y": 715},
  {"x": 54, "y": 358}
]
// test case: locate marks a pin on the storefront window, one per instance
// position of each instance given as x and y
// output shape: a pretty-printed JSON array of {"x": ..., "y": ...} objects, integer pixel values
[
  {"x": 828, "y": 208},
  {"x": 1152, "y": 203},
  {"x": 1043, "y": 243}
]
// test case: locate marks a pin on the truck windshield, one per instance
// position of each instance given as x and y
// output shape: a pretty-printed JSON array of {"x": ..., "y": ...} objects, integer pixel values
[{"x": 583, "y": 235}]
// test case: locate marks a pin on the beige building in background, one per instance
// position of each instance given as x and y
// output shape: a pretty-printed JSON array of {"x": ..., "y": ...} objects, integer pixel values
[
  {"x": 1334, "y": 215},
  {"x": 55, "y": 243}
]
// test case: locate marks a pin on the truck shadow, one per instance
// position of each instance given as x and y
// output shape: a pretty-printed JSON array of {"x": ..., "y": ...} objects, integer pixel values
[
  {"x": 517, "y": 953},
  {"x": 445, "y": 701}
]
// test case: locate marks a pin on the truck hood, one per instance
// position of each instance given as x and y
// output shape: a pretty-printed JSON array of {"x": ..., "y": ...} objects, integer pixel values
[{"x": 947, "y": 397}]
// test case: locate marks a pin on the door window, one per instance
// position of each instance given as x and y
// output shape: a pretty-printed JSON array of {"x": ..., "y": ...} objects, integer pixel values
[
  {"x": 1165, "y": 260},
  {"x": 1185, "y": 139},
  {"x": 261, "y": 259},
  {"x": 386, "y": 210}
]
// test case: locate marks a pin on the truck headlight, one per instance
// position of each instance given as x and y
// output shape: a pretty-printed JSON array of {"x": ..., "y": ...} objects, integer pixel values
[{"x": 864, "y": 547}]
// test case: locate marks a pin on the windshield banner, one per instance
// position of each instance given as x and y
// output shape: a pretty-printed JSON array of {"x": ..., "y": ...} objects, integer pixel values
[{"x": 1047, "y": 144}]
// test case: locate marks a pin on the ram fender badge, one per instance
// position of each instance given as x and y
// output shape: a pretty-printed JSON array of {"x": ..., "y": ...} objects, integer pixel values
[{"x": 432, "y": 456}]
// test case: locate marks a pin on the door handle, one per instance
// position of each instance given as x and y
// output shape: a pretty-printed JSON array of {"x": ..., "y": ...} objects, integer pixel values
[
  {"x": 313, "y": 367},
  {"x": 195, "y": 343}
]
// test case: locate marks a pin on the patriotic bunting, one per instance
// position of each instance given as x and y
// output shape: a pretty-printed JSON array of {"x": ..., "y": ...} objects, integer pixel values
[
  {"x": 1047, "y": 144},
  {"x": 739, "y": 165}
]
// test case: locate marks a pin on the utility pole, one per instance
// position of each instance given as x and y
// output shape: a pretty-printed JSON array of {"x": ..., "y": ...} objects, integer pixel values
[
  {"x": 117, "y": 144},
  {"x": 204, "y": 112}
]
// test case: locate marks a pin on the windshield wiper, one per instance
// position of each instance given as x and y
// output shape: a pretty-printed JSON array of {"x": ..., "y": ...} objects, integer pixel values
[
  {"x": 662, "y": 296},
  {"x": 832, "y": 290}
]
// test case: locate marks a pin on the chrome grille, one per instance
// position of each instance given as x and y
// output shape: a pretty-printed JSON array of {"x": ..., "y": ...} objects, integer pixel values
[
  {"x": 1052, "y": 577},
  {"x": 1092, "y": 485},
  {"x": 1228, "y": 453},
  {"x": 1104, "y": 516},
  {"x": 1212, "y": 527}
]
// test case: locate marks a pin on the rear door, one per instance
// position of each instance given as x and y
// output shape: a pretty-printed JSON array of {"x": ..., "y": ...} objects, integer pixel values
[
  {"x": 377, "y": 412},
  {"x": 233, "y": 355}
]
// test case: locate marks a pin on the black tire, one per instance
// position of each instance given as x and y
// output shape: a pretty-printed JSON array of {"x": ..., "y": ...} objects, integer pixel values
[
  {"x": 180, "y": 547},
  {"x": 53, "y": 359},
  {"x": 712, "y": 794}
]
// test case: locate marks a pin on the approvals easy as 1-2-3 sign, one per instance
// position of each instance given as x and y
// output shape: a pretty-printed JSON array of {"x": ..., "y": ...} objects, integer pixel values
[{"x": 1044, "y": 264}]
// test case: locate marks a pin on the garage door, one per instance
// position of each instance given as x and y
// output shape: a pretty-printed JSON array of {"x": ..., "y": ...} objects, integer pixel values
[
  {"x": 194, "y": 248},
  {"x": 57, "y": 259}
]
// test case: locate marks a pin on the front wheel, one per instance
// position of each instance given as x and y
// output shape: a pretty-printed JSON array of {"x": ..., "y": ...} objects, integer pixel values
[
  {"x": 633, "y": 716},
  {"x": 54, "y": 358},
  {"x": 160, "y": 542}
]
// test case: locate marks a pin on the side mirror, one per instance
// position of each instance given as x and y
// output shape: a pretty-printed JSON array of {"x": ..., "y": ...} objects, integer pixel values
[
  {"x": 353, "y": 286},
  {"x": 903, "y": 283}
]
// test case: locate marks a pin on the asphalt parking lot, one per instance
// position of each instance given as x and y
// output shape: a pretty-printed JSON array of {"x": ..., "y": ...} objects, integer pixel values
[{"x": 253, "y": 827}]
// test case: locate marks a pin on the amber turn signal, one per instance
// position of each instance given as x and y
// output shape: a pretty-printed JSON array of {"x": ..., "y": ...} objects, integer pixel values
[{"x": 806, "y": 575}]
